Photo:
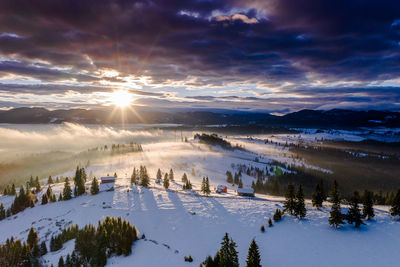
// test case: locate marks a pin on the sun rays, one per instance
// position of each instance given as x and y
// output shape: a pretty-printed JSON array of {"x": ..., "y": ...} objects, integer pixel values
[{"x": 122, "y": 101}]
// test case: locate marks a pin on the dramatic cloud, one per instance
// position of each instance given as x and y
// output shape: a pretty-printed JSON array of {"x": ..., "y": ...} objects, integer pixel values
[{"x": 259, "y": 54}]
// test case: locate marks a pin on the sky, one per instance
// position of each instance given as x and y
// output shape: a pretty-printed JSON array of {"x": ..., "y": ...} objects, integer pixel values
[{"x": 277, "y": 56}]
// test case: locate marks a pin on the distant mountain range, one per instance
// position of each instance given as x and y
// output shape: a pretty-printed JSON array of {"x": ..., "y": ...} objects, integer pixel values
[{"x": 304, "y": 118}]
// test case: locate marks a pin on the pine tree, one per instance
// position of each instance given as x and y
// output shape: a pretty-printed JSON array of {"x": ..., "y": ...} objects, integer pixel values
[
  {"x": 134, "y": 177},
  {"x": 335, "y": 215},
  {"x": 49, "y": 194},
  {"x": 45, "y": 200},
  {"x": 236, "y": 178},
  {"x": 395, "y": 209},
  {"x": 6, "y": 191},
  {"x": 290, "y": 203},
  {"x": 318, "y": 197},
  {"x": 240, "y": 185},
  {"x": 31, "y": 183},
  {"x": 144, "y": 180},
  {"x": 229, "y": 177},
  {"x": 94, "y": 189},
  {"x": 60, "y": 197},
  {"x": 13, "y": 190},
  {"x": 390, "y": 199},
  {"x": 2, "y": 212},
  {"x": 228, "y": 256},
  {"x": 80, "y": 178},
  {"x": 203, "y": 185},
  {"x": 68, "y": 261},
  {"x": 43, "y": 248},
  {"x": 354, "y": 213},
  {"x": 166, "y": 182},
  {"x": 32, "y": 238},
  {"x": 277, "y": 215},
  {"x": 184, "y": 178},
  {"x": 253, "y": 257},
  {"x": 61, "y": 262},
  {"x": 368, "y": 202},
  {"x": 207, "y": 190},
  {"x": 159, "y": 175},
  {"x": 37, "y": 185},
  {"x": 50, "y": 180},
  {"x": 270, "y": 222},
  {"x": 171, "y": 175},
  {"x": 67, "y": 192},
  {"x": 300, "y": 208}
]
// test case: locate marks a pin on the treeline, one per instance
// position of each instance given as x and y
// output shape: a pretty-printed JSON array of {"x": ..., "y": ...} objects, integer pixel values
[
  {"x": 353, "y": 169},
  {"x": 119, "y": 148},
  {"x": 234, "y": 179},
  {"x": 24, "y": 199},
  {"x": 27, "y": 196},
  {"x": 141, "y": 177},
  {"x": 294, "y": 204},
  {"x": 227, "y": 256},
  {"x": 49, "y": 163},
  {"x": 274, "y": 179},
  {"x": 93, "y": 245},
  {"x": 214, "y": 140},
  {"x": 17, "y": 253}
]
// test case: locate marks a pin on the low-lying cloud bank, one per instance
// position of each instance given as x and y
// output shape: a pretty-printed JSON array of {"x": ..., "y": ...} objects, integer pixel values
[{"x": 70, "y": 137}]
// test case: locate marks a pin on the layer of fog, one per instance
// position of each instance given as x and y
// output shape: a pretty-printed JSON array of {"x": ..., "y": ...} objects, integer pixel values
[{"x": 19, "y": 140}]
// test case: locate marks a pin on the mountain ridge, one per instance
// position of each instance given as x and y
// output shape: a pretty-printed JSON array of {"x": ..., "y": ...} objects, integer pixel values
[{"x": 301, "y": 118}]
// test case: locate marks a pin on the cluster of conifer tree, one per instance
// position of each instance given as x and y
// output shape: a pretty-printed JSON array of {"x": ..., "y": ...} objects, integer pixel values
[
  {"x": 234, "y": 179},
  {"x": 35, "y": 183},
  {"x": 205, "y": 186},
  {"x": 93, "y": 245},
  {"x": 23, "y": 200},
  {"x": 17, "y": 253},
  {"x": 278, "y": 215},
  {"x": 294, "y": 202},
  {"x": 140, "y": 176},
  {"x": 354, "y": 214},
  {"x": 56, "y": 242},
  {"x": 9, "y": 191},
  {"x": 48, "y": 196},
  {"x": 170, "y": 177},
  {"x": 187, "y": 186},
  {"x": 227, "y": 256},
  {"x": 214, "y": 140},
  {"x": 395, "y": 210}
]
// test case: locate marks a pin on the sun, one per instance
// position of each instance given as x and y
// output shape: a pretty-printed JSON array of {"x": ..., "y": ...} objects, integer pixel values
[{"x": 121, "y": 98}]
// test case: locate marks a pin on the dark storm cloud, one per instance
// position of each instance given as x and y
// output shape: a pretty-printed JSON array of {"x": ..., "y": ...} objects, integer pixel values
[
  {"x": 208, "y": 43},
  {"x": 41, "y": 72}
]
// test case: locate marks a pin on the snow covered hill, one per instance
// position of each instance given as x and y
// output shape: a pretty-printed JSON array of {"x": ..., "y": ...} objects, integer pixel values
[{"x": 177, "y": 223}]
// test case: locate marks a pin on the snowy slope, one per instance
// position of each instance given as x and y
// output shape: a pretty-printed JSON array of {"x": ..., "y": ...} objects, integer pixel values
[
  {"x": 172, "y": 231},
  {"x": 178, "y": 223}
]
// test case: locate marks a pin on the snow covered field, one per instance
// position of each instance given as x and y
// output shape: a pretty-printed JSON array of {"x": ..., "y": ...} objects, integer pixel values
[{"x": 178, "y": 224}]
